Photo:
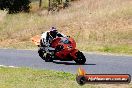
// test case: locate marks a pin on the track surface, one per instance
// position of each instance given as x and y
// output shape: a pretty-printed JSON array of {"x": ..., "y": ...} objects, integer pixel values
[{"x": 96, "y": 63}]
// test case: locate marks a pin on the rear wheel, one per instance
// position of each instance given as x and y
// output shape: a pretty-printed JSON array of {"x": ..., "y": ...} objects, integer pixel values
[
  {"x": 80, "y": 58},
  {"x": 48, "y": 58},
  {"x": 41, "y": 53}
]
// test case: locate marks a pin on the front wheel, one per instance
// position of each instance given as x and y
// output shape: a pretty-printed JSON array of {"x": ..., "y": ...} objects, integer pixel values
[{"x": 80, "y": 58}]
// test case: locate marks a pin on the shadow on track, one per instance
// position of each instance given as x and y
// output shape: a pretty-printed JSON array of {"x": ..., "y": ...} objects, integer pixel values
[{"x": 70, "y": 63}]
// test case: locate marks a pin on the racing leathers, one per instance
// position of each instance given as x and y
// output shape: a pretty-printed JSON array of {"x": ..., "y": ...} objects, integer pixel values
[{"x": 47, "y": 37}]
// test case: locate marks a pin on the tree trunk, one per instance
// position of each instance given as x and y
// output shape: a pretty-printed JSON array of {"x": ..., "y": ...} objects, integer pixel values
[
  {"x": 49, "y": 3},
  {"x": 40, "y": 3}
]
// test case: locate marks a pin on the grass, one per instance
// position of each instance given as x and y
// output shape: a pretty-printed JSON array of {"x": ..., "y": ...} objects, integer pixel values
[
  {"x": 108, "y": 48},
  {"x": 29, "y": 78},
  {"x": 96, "y": 25}
]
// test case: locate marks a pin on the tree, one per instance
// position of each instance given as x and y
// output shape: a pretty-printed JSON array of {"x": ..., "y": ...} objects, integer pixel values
[{"x": 15, "y": 6}]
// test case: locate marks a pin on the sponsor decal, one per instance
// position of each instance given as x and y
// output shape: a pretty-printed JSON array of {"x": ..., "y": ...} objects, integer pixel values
[{"x": 83, "y": 78}]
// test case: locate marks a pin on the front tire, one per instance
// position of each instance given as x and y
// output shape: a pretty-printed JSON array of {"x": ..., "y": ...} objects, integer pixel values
[{"x": 80, "y": 58}]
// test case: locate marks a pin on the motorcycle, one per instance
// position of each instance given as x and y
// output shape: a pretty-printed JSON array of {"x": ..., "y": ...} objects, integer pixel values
[{"x": 61, "y": 48}]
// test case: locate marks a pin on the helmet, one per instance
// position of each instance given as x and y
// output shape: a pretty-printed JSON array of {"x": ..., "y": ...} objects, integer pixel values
[{"x": 53, "y": 29}]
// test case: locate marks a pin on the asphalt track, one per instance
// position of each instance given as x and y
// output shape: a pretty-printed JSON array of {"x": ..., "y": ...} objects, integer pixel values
[{"x": 96, "y": 63}]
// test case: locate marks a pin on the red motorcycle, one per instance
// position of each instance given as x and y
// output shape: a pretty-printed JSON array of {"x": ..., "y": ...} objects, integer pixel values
[{"x": 61, "y": 48}]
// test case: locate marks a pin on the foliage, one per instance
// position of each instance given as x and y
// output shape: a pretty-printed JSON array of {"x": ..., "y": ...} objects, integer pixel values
[
  {"x": 15, "y": 6},
  {"x": 58, "y": 4}
]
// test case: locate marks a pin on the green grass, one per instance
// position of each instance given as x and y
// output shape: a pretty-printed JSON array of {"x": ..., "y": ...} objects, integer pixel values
[
  {"x": 29, "y": 78},
  {"x": 108, "y": 48}
]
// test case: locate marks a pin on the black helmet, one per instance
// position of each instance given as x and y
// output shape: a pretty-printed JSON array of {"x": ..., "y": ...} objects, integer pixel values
[{"x": 53, "y": 29}]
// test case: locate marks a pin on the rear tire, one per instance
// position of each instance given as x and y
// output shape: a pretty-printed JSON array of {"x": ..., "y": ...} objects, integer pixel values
[
  {"x": 48, "y": 58},
  {"x": 41, "y": 53},
  {"x": 80, "y": 58}
]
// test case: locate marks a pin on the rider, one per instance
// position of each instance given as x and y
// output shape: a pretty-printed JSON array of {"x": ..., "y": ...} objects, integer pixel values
[{"x": 48, "y": 36}]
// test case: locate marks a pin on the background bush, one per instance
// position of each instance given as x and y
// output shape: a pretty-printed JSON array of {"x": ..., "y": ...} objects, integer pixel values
[{"x": 15, "y": 6}]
